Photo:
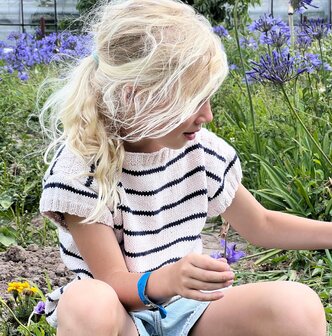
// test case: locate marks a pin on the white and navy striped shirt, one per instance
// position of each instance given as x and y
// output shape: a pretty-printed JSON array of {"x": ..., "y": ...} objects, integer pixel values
[{"x": 165, "y": 199}]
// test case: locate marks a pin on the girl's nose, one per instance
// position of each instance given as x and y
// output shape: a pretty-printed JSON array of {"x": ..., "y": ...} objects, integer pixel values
[{"x": 204, "y": 114}]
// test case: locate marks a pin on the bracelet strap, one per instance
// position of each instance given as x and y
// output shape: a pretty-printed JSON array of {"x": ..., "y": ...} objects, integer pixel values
[{"x": 141, "y": 288}]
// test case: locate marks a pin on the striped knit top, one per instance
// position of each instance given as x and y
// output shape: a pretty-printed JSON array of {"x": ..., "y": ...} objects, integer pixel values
[{"x": 165, "y": 199}]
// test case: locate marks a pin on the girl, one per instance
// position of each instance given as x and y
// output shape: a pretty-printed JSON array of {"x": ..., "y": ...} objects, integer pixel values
[{"x": 135, "y": 178}]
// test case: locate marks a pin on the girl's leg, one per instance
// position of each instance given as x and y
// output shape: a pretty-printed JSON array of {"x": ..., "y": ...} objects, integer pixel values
[
  {"x": 267, "y": 308},
  {"x": 91, "y": 308}
]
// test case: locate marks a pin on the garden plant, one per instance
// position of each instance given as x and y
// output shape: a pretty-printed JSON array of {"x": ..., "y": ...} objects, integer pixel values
[{"x": 274, "y": 107}]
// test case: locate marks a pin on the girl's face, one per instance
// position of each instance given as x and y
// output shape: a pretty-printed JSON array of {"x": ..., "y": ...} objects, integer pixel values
[{"x": 177, "y": 138}]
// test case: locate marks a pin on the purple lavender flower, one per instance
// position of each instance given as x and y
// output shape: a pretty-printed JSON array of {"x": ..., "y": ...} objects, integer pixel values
[
  {"x": 279, "y": 68},
  {"x": 232, "y": 256},
  {"x": 316, "y": 29},
  {"x": 266, "y": 23},
  {"x": 221, "y": 31},
  {"x": 40, "y": 308}
]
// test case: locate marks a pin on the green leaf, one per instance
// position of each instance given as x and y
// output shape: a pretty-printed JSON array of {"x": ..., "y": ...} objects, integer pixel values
[
  {"x": 5, "y": 203},
  {"x": 7, "y": 240}
]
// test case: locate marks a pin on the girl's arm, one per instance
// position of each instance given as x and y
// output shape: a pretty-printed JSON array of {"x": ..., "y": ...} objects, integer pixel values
[
  {"x": 99, "y": 248},
  {"x": 273, "y": 229}
]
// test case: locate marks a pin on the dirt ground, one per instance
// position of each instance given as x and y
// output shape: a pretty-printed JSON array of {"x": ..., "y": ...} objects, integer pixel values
[{"x": 38, "y": 264}]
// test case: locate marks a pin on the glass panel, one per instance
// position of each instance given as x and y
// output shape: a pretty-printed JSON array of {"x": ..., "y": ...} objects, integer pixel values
[
  {"x": 66, "y": 9},
  {"x": 323, "y": 10},
  {"x": 5, "y": 30},
  {"x": 257, "y": 11},
  {"x": 10, "y": 11},
  {"x": 34, "y": 10}
]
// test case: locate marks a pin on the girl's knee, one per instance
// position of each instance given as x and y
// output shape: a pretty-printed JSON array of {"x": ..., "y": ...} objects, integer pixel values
[
  {"x": 302, "y": 309},
  {"x": 89, "y": 304}
]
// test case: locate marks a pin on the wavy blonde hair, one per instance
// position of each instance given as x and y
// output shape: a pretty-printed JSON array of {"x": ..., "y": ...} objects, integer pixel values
[{"x": 158, "y": 61}]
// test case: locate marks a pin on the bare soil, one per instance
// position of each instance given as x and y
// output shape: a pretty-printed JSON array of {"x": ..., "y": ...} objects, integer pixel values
[{"x": 40, "y": 265}]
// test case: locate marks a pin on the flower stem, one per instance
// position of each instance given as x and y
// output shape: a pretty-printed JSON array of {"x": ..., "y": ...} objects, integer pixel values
[
  {"x": 252, "y": 112},
  {"x": 14, "y": 316},
  {"x": 304, "y": 126}
]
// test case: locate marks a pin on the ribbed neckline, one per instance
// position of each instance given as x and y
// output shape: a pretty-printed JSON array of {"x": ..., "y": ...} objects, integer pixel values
[
  {"x": 161, "y": 156},
  {"x": 135, "y": 160}
]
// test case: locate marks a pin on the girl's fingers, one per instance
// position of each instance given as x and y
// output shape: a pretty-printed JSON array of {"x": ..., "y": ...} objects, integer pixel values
[
  {"x": 204, "y": 296},
  {"x": 205, "y": 262},
  {"x": 209, "y": 286}
]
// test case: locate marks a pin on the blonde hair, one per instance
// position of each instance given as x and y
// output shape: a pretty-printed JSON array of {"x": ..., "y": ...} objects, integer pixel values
[{"x": 158, "y": 61}]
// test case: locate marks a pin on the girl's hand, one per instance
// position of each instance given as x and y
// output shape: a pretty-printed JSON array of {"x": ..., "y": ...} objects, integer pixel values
[{"x": 196, "y": 273}]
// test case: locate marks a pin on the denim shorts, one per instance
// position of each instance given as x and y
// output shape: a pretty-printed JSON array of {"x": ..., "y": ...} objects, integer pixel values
[{"x": 182, "y": 314}]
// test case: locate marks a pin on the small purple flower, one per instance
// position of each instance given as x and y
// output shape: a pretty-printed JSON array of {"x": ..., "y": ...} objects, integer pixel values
[
  {"x": 40, "y": 308},
  {"x": 232, "y": 256},
  {"x": 250, "y": 42},
  {"x": 23, "y": 76},
  {"x": 221, "y": 31}
]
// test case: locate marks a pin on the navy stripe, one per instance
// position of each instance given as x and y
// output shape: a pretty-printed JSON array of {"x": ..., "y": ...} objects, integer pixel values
[
  {"x": 50, "y": 313},
  {"x": 61, "y": 290},
  {"x": 48, "y": 298},
  {"x": 69, "y": 253},
  {"x": 169, "y": 261},
  {"x": 212, "y": 152},
  {"x": 162, "y": 168},
  {"x": 162, "y": 247},
  {"x": 221, "y": 188},
  {"x": 90, "y": 178},
  {"x": 180, "y": 156},
  {"x": 81, "y": 270},
  {"x": 164, "y": 207},
  {"x": 69, "y": 188},
  {"x": 213, "y": 176},
  {"x": 167, "y": 185},
  {"x": 175, "y": 223},
  {"x": 55, "y": 160}
]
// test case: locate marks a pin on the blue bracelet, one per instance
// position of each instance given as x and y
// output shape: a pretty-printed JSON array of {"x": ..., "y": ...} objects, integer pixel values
[{"x": 141, "y": 287}]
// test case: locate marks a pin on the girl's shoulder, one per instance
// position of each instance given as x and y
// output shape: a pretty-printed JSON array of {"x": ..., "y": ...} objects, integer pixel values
[
  {"x": 66, "y": 161},
  {"x": 212, "y": 143}
]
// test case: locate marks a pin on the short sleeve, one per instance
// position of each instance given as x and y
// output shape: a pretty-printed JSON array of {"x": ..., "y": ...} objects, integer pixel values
[
  {"x": 67, "y": 188},
  {"x": 223, "y": 170}
]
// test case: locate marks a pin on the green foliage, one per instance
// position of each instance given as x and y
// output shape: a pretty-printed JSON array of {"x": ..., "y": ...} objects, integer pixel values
[
  {"x": 21, "y": 160},
  {"x": 218, "y": 11},
  {"x": 18, "y": 311}
]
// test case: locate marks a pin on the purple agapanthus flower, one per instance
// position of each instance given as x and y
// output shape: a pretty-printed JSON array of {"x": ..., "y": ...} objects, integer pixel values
[
  {"x": 248, "y": 42},
  {"x": 221, "y": 31},
  {"x": 276, "y": 38},
  {"x": 24, "y": 50},
  {"x": 316, "y": 29},
  {"x": 40, "y": 308},
  {"x": 279, "y": 68},
  {"x": 301, "y": 5},
  {"x": 266, "y": 23},
  {"x": 232, "y": 256},
  {"x": 314, "y": 62}
]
